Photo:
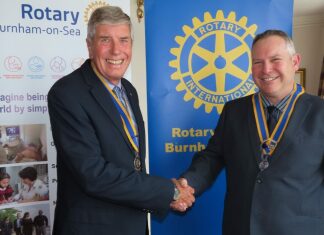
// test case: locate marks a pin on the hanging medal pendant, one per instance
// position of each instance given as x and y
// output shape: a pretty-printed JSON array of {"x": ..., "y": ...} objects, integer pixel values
[
  {"x": 137, "y": 162},
  {"x": 264, "y": 164}
]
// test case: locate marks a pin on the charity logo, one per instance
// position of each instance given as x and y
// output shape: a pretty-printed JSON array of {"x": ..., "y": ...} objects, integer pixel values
[
  {"x": 57, "y": 64},
  {"x": 212, "y": 61},
  {"x": 36, "y": 64},
  {"x": 12, "y": 64},
  {"x": 91, "y": 7}
]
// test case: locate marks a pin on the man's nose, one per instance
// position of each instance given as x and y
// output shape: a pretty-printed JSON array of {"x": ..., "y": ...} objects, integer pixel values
[
  {"x": 267, "y": 67},
  {"x": 115, "y": 47}
]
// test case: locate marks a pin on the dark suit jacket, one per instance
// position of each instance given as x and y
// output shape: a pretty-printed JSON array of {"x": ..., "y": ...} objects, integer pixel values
[
  {"x": 16, "y": 229},
  {"x": 99, "y": 192},
  {"x": 288, "y": 197}
]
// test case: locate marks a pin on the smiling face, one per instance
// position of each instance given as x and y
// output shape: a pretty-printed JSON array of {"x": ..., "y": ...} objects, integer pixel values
[
  {"x": 273, "y": 67},
  {"x": 4, "y": 183},
  {"x": 110, "y": 50}
]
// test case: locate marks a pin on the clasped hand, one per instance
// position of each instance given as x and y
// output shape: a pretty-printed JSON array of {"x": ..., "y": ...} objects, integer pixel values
[{"x": 186, "y": 197}]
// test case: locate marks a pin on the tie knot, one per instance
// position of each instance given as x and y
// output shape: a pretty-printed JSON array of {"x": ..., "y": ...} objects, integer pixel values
[
  {"x": 120, "y": 95},
  {"x": 271, "y": 109},
  {"x": 117, "y": 89},
  {"x": 119, "y": 92}
]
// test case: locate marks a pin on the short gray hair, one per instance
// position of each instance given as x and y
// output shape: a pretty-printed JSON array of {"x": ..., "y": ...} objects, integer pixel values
[
  {"x": 112, "y": 15},
  {"x": 273, "y": 32}
]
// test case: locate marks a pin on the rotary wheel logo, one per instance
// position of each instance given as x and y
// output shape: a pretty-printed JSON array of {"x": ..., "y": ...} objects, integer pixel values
[
  {"x": 213, "y": 60},
  {"x": 91, "y": 7}
]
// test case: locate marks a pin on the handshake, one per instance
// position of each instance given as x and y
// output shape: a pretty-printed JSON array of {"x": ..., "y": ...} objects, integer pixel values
[{"x": 185, "y": 195}]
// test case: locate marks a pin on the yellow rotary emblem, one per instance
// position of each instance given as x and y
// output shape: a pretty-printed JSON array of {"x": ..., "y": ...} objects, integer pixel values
[
  {"x": 213, "y": 60},
  {"x": 91, "y": 7}
]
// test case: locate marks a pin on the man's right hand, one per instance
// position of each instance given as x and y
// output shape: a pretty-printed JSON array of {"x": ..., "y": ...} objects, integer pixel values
[{"x": 186, "y": 195}]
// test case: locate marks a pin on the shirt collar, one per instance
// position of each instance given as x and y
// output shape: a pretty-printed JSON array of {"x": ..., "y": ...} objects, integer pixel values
[
  {"x": 111, "y": 85},
  {"x": 281, "y": 105}
]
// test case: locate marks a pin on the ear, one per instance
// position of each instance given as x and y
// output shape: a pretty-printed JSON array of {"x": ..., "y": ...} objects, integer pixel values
[
  {"x": 296, "y": 59},
  {"x": 89, "y": 47}
]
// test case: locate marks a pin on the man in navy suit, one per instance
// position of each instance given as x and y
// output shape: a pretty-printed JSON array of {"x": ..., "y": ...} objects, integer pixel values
[
  {"x": 98, "y": 131},
  {"x": 18, "y": 225},
  {"x": 271, "y": 145}
]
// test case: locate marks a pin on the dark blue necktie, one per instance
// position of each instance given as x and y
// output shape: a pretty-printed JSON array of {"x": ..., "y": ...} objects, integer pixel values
[{"x": 272, "y": 119}]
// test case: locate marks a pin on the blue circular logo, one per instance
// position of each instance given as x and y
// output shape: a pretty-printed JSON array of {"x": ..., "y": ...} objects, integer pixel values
[{"x": 36, "y": 64}]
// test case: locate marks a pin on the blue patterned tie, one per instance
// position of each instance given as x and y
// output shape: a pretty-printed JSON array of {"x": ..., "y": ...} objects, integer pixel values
[{"x": 119, "y": 93}]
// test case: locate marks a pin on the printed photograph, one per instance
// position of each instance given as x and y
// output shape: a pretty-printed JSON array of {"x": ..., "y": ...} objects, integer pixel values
[
  {"x": 25, "y": 220},
  {"x": 22, "y": 184},
  {"x": 23, "y": 143}
]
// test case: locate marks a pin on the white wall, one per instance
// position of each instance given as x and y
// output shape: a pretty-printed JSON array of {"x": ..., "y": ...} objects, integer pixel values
[
  {"x": 308, "y": 36},
  {"x": 138, "y": 60}
]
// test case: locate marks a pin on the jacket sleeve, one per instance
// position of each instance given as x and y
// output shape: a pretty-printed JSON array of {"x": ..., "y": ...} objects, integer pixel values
[{"x": 208, "y": 163}]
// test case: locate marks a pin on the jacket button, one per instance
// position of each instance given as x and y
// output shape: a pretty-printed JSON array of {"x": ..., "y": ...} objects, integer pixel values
[{"x": 259, "y": 181}]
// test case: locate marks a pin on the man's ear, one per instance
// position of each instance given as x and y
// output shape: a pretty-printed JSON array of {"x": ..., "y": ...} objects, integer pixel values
[
  {"x": 296, "y": 59},
  {"x": 89, "y": 47}
]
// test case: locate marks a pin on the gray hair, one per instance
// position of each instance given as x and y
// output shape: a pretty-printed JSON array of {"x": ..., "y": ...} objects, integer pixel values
[
  {"x": 273, "y": 32},
  {"x": 112, "y": 15}
]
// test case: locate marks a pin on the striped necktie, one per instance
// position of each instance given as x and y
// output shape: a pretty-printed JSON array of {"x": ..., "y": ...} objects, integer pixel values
[{"x": 119, "y": 93}]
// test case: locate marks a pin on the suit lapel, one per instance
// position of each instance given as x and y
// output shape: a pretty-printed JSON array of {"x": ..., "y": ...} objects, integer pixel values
[
  {"x": 138, "y": 118},
  {"x": 102, "y": 96},
  {"x": 133, "y": 102},
  {"x": 253, "y": 133},
  {"x": 297, "y": 118}
]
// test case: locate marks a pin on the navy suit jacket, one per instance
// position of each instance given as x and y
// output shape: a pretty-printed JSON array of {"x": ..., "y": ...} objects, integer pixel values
[
  {"x": 99, "y": 192},
  {"x": 288, "y": 197}
]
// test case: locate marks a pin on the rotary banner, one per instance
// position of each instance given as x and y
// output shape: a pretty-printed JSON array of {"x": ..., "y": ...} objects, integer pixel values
[
  {"x": 198, "y": 58},
  {"x": 41, "y": 41}
]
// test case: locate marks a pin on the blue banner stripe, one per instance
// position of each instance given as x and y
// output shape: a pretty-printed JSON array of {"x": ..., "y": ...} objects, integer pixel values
[{"x": 198, "y": 58}]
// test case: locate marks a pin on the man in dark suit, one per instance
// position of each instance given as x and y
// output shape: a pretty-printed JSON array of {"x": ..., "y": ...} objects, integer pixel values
[
  {"x": 41, "y": 223},
  {"x": 274, "y": 177},
  {"x": 98, "y": 131},
  {"x": 17, "y": 224}
]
